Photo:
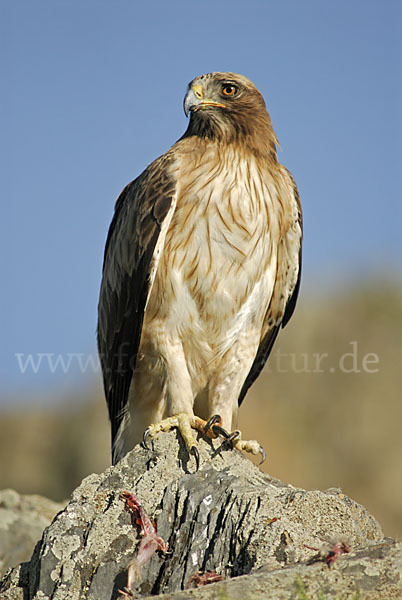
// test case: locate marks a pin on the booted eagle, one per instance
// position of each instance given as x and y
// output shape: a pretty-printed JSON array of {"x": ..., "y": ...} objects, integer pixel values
[{"x": 201, "y": 269}]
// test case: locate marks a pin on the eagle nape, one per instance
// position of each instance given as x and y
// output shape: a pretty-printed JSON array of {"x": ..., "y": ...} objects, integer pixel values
[{"x": 211, "y": 428}]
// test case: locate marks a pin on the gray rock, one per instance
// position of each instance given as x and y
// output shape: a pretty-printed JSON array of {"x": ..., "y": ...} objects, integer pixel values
[
  {"x": 227, "y": 517},
  {"x": 22, "y": 521},
  {"x": 373, "y": 572}
]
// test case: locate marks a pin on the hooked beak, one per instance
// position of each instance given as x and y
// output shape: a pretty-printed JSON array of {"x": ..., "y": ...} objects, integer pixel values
[{"x": 195, "y": 101}]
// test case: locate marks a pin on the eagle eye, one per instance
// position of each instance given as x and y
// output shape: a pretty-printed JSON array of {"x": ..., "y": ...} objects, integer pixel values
[{"x": 228, "y": 89}]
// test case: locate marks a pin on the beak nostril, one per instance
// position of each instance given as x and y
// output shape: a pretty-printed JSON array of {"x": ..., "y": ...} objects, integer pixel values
[{"x": 198, "y": 91}]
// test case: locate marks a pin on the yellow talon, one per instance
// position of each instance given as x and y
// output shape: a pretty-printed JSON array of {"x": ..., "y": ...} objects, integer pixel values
[{"x": 185, "y": 423}]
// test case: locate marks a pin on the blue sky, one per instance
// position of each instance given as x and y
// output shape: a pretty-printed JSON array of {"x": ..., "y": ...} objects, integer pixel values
[{"x": 92, "y": 92}]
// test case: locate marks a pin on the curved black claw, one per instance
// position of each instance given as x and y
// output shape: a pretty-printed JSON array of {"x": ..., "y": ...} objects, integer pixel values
[
  {"x": 145, "y": 437},
  {"x": 218, "y": 430},
  {"x": 230, "y": 437},
  {"x": 212, "y": 421},
  {"x": 263, "y": 455},
  {"x": 196, "y": 455}
]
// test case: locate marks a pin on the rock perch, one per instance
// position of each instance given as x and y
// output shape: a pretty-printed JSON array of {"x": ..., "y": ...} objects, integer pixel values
[{"x": 228, "y": 518}]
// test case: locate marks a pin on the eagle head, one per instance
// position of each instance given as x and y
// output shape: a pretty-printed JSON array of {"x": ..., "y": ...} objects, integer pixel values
[{"x": 228, "y": 107}]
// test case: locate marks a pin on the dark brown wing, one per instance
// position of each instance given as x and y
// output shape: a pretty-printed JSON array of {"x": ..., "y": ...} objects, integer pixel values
[
  {"x": 140, "y": 212},
  {"x": 286, "y": 288}
]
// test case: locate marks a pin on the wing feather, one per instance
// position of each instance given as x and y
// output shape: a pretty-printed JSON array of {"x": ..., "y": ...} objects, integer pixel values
[
  {"x": 141, "y": 214},
  {"x": 286, "y": 287}
]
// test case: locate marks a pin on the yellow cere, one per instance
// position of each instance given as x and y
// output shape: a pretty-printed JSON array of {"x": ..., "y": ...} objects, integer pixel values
[{"x": 198, "y": 91}]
